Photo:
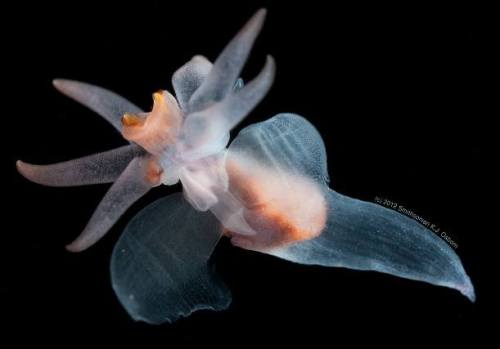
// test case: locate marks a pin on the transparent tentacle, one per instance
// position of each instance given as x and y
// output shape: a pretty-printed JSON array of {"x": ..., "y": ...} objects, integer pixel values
[
  {"x": 188, "y": 78},
  {"x": 228, "y": 65},
  {"x": 207, "y": 131},
  {"x": 98, "y": 168},
  {"x": 127, "y": 189},
  {"x": 107, "y": 104}
]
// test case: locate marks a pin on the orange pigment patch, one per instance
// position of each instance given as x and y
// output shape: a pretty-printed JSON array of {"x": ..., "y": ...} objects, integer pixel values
[
  {"x": 247, "y": 188},
  {"x": 226, "y": 232},
  {"x": 284, "y": 208},
  {"x": 153, "y": 172},
  {"x": 157, "y": 129},
  {"x": 129, "y": 119}
]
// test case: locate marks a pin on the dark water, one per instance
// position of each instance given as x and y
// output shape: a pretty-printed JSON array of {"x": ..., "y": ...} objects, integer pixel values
[{"x": 399, "y": 94}]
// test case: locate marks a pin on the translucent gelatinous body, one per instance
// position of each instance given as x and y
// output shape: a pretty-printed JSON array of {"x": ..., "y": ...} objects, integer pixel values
[{"x": 267, "y": 190}]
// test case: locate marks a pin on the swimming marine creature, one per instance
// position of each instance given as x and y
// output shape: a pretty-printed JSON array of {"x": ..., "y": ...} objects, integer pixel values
[{"x": 267, "y": 191}]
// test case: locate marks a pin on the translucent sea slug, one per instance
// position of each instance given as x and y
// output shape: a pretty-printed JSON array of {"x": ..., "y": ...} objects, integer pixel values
[{"x": 267, "y": 191}]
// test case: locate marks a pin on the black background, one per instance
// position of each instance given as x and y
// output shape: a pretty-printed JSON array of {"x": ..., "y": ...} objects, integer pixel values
[{"x": 397, "y": 92}]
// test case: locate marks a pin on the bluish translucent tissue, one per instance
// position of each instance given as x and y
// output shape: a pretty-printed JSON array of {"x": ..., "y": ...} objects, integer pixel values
[{"x": 267, "y": 191}]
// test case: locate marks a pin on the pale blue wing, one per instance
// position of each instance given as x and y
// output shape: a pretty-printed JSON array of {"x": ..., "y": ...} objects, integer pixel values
[
  {"x": 98, "y": 168},
  {"x": 107, "y": 104},
  {"x": 357, "y": 235},
  {"x": 366, "y": 236},
  {"x": 160, "y": 267},
  {"x": 286, "y": 142}
]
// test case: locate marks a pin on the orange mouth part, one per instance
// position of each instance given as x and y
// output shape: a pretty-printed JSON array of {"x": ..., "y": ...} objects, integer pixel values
[
  {"x": 129, "y": 120},
  {"x": 158, "y": 129}
]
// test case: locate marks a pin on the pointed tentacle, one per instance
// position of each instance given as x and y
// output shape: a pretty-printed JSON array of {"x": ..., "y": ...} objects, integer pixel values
[
  {"x": 132, "y": 184},
  {"x": 238, "y": 105},
  {"x": 188, "y": 78},
  {"x": 228, "y": 65},
  {"x": 98, "y": 168},
  {"x": 107, "y": 104},
  {"x": 207, "y": 131}
]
